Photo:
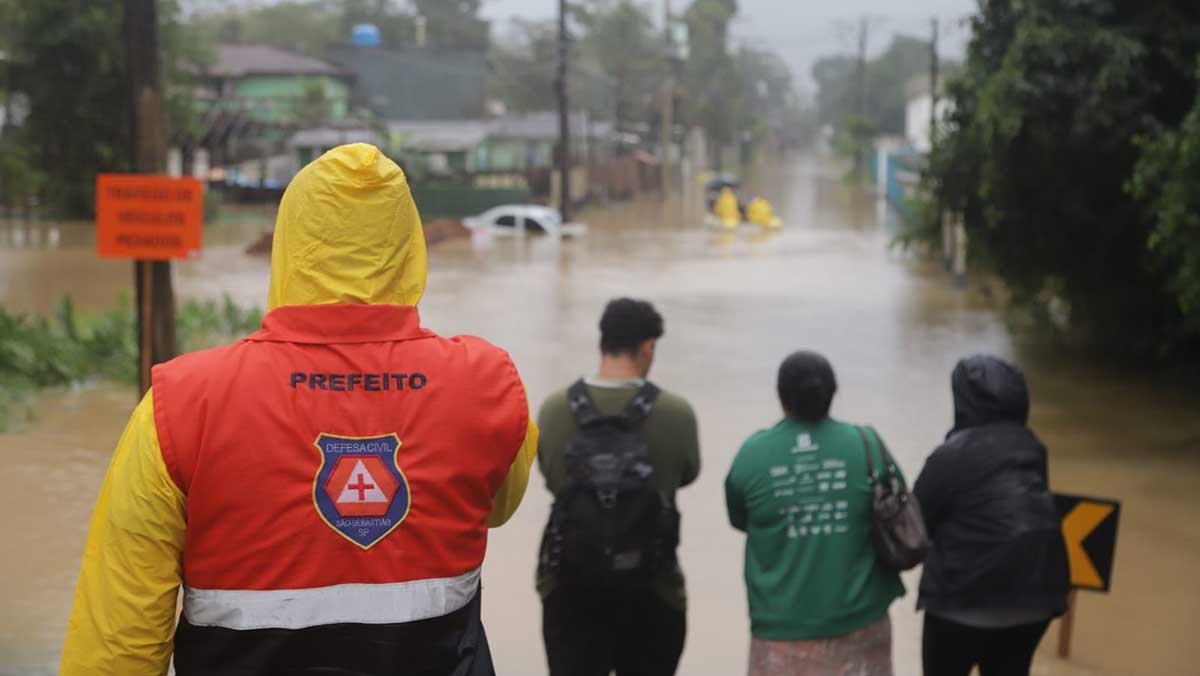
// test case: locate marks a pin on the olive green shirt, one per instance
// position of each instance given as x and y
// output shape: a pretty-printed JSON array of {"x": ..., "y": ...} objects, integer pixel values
[{"x": 671, "y": 439}]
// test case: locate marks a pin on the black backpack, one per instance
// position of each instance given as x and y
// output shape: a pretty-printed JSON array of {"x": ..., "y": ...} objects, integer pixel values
[{"x": 610, "y": 526}]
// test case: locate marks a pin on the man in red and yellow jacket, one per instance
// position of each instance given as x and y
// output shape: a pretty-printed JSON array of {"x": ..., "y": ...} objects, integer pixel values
[{"x": 322, "y": 489}]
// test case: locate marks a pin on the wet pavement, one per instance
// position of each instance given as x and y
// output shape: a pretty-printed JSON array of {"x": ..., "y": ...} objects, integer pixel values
[{"x": 735, "y": 304}]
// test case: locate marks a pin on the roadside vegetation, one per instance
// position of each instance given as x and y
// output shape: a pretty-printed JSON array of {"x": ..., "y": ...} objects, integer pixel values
[
  {"x": 1072, "y": 156},
  {"x": 74, "y": 347}
]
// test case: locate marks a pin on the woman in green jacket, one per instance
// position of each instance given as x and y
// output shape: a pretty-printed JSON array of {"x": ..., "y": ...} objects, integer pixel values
[{"x": 800, "y": 491}]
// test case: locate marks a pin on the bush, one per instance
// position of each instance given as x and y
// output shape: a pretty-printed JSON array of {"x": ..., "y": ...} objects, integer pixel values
[{"x": 37, "y": 352}]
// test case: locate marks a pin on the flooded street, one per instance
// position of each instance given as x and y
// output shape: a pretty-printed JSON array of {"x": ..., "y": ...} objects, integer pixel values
[{"x": 735, "y": 304}]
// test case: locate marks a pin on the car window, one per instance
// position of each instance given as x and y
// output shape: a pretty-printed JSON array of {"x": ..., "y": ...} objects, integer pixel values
[
  {"x": 532, "y": 225},
  {"x": 507, "y": 221}
]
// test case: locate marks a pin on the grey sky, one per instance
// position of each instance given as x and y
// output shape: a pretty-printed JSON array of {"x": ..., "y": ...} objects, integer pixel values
[{"x": 804, "y": 30}]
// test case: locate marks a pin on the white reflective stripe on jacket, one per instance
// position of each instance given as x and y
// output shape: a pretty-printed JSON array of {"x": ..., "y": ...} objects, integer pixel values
[{"x": 337, "y": 604}]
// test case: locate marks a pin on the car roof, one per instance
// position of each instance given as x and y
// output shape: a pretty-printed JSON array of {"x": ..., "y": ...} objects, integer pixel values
[{"x": 523, "y": 210}]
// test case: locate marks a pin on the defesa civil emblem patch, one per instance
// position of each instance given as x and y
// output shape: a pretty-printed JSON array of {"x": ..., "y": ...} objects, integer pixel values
[{"x": 359, "y": 489}]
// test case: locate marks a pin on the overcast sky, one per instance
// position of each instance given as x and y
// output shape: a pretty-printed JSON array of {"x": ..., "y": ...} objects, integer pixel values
[{"x": 802, "y": 30}]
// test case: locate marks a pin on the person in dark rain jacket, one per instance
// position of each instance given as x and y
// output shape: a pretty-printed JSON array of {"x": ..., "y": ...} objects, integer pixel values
[{"x": 997, "y": 572}]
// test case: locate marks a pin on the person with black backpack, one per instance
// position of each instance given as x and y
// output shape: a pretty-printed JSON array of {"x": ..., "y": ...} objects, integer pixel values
[{"x": 614, "y": 449}]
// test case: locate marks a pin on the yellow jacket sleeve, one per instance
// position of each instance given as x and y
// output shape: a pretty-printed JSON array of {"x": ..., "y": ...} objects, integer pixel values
[
  {"x": 511, "y": 492},
  {"x": 124, "y": 611}
]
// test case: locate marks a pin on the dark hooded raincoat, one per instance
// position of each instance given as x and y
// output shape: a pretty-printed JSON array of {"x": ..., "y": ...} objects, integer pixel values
[{"x": 997, "y": 538}]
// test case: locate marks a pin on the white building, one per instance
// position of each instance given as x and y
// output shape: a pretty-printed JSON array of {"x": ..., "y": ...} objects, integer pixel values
[{"x": 916, "y": 119}]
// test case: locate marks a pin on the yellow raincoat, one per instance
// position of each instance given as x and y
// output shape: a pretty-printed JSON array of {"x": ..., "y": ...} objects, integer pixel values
[
  {"x": 348, "y": 231},
  {"x": 726, "y": 209},
  {"x": 759, "y": 212}
]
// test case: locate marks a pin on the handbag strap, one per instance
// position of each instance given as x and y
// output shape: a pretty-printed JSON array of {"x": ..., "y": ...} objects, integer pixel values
[
  {"x": 886, "y": 456},
  {"x": 862, "y": 434}
]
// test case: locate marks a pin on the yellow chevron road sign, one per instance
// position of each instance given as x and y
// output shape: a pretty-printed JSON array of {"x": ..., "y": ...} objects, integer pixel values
[{"x": 1089, "y": 526}]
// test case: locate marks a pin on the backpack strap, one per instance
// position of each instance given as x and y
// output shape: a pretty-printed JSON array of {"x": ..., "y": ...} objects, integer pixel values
[
  {"x": 584, "y": 407},
  {"x": 638, "y": 408},
  {"x": 581, "y": 403}
]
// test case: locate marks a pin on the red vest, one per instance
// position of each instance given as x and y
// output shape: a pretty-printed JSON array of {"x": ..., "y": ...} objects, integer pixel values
[{"x": 339, "y": 445}]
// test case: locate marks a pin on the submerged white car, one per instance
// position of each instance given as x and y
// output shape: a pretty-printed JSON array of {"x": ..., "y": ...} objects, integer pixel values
[{"x": 516, "y": 220}]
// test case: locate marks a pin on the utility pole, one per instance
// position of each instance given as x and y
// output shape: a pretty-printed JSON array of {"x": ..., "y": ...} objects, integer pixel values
[
  {"x": 933, "y": 82},
  {"x": 864, "y": 27},
  {"x": 564, "y": 124},
  {"x": 667, "y": 114},
  {"x": 950, "y": 246},
  {"x": 152, "y": 279}
]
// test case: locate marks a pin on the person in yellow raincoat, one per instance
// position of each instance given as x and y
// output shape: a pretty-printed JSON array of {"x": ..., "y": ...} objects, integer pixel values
[
  {"x": 759, "y": 212},
  {"x": 321, "y": 490},
  {"x": 726, "y": 209}
]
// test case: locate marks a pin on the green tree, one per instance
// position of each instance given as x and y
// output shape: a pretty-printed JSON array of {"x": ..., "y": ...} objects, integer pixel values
[
  {"x": 1165, "y": 181},
  {"x": 454, "y": 23},
  {"x": 302, "y": 26},
  {"x": 71, "y": 65},
  {"x": 621, "y": 42},
  {"x": 72, "y": 60},
  {"x": 766, "y": 96},
  {"x": 1042, "y": 146},
  {"x": 887, "y": 83},
  {"x": 523, "y": 66},
  {"x": 713, "y": 86}
]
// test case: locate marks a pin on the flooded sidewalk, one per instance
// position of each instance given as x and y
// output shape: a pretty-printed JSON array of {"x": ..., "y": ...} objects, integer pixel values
[{"x": 735, "y": 304}]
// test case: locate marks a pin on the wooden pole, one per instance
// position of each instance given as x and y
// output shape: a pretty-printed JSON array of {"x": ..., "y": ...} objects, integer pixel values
[
  {"x": 667, "y": 112},
  {"x": 145, "y": 275},
  {"x": 933, "y": 82},
  {"x": 1066, "y": 627},
  {"x": 864, "y": 28},
  {"x": 152, "y": 279},
  {"x": 947, "y": 222},
  {"x": 960, "y": 252},
  {"x": 564, "y": 125}
]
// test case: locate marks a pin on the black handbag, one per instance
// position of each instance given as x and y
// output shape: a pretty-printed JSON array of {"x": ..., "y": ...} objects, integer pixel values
[{"x": 897, "y": 527}]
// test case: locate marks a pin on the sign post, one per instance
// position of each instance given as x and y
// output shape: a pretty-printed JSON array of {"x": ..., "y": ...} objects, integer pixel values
[
  {"x": 148, "y": 218},
  {"x": 1089, "y": 526},
  {"x": 148, "y": 155}
]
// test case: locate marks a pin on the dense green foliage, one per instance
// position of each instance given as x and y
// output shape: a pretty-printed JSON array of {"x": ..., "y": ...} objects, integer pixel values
[
  {"x": 887, "y": 83},
  {"x": 71, "y": 66},
  {"x": 302, "y": 26},
  {"x": 711, "y": 75},
  {"x": 1167, "y": 180},
  {"x": 523, "y": 67},
  {"x": 620, "y": 63},
  {"x": 72, "y": 347},
  {"x": 617, "y": 63},
  {"x": 454, "y": 23},
  {"x": 1071, "y": 154},
  {"x": 68, "y": 58},
  {"x": 309, "y": 26},
  {"x": 621, "y": 42}
]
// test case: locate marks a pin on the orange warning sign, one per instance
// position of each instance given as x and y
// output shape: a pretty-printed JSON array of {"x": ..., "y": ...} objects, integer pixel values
[{"x": 148, "y": 217}]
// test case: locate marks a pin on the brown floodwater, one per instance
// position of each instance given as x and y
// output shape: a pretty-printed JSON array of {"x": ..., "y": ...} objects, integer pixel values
[{"x": 735, "y": 304}]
